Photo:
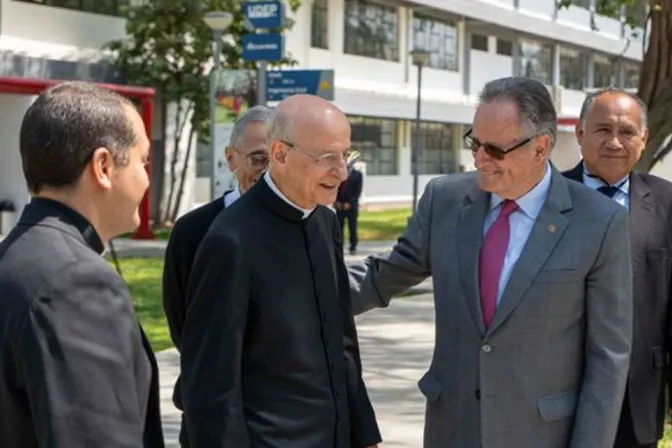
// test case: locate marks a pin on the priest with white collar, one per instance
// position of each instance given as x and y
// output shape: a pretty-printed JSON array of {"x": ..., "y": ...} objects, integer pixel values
[{"x": 269, "y": 354}]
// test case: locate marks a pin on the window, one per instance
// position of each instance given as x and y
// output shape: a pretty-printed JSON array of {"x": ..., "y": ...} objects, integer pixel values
[
  {"x": 437, "y": 155},
  {"x": 573, "y": 68},
  {"x": 108, "y": 7},
  {"x": 371, "y": 30},
  {"x": 603, "y": 71},
  {"x": 376, "y": 138},
  {"x": 631, "y": 71},
  {"x": 479, "y": 42},
  {"x": 535, "y": 60},
  {"x": 504, "y": 47},
  {"x": 437, "y": 38},
  {"x": 581, "y": 3},
  {"x": 319, "y": 30}
]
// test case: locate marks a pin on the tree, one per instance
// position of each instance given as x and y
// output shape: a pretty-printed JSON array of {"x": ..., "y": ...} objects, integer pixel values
[
  {"x": 169, "y": 47},
  {"x": 655, "y": 80}
]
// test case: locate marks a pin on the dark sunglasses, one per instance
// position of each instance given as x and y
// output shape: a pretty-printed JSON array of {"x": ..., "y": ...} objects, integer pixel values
[{"x": 493, "y": 151}]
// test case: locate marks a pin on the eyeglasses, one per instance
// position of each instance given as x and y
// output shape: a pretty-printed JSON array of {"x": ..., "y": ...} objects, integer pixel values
[
  {"x": 255, "y": 160},
  {"x": 330, "y": 159},
  {"x": 492, "y": 150}
]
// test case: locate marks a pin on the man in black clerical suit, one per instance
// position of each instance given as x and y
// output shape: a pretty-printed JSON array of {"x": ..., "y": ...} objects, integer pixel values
[
  {"x": 247, "y": 155},
  {"x": 612, "y": 133},
  {"x": 76, "y": 369},
  {"x": 270, "y": 355},
  {"x": 347, "y": 204}
]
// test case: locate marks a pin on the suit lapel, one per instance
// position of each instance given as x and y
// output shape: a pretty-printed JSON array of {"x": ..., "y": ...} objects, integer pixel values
[
  {"x": 547, "y": 230},
  {"x": 470, "y": 237},
  {"x": 641, "y": 211}
]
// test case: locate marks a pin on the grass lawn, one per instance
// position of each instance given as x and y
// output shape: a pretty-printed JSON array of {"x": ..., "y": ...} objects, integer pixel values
[{"x": 143, "y": 277}]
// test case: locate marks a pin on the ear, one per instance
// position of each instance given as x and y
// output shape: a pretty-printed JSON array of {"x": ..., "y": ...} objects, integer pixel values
[
  {"x": 278, "y": 152},
  {"x": 102, "y": 168},
  {"x": 228, "y": 153},
  {"x": 578, "y": 132},
  {"x": 543, "y": 148},
  {"x": 645, "y": 136}
]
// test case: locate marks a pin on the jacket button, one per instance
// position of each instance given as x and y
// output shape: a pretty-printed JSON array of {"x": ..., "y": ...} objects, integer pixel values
[{"x": 487, "y": 348}]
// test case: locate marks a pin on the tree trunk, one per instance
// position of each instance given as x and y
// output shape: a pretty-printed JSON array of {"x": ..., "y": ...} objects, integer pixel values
[
  {"x": 183, "y": 175},
  {"x": 655, "y": 84},
  {"x": 181, "y": 119},
  {"x": 174, "y": 158}
]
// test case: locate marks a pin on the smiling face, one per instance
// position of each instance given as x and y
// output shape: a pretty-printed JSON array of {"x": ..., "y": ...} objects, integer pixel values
[
  {"x": 306, "y": 176},
  {"x": 499, "y": 124},
  {"x": 613, "y": 137}
]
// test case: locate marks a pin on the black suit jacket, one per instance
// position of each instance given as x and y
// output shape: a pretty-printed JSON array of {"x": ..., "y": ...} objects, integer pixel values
[
  {"x": 185, "y": 238},
  {"x": 75, "y": 367},
  {"x": 269, "y": 351},
  {"x": 651, "y": 244},
  {"x": 352, "y": 190}
]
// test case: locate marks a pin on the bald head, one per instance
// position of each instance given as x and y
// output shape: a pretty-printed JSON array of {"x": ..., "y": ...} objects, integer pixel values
[
  {"x": 301, "y": 115},
  {"x": 309, "y": 142}
]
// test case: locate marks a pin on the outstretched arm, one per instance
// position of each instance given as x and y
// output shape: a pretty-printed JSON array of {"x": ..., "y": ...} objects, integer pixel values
[{"x": 377, "y": 279}]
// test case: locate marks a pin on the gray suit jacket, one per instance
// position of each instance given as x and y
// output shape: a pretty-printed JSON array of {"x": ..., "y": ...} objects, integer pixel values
[{"x": 551, "y": 370}]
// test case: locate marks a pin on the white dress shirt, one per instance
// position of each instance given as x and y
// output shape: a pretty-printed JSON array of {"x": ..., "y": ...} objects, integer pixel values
[{"x": 622, "y": 196}]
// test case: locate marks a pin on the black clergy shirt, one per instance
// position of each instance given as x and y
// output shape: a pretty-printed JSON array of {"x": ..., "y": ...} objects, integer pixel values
[{"x": 269, "y": 348}]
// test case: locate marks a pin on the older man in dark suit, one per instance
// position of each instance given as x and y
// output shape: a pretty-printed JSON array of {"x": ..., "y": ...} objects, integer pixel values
[
  {"x": 612, "y": 133},
  {"x": 75, "y": 367}
]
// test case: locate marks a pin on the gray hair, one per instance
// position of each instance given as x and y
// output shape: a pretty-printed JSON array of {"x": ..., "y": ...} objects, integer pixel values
[
  {"x": 257, "y": 114},
  {"x": 592, "y": 97},
  {"x": 533, "y": 100}
]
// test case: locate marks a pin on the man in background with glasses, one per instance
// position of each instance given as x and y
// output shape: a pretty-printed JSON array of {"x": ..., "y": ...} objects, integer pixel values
[
  {"x": 269, "y": 352},
  {"x": 247, "y": 156},
  {"x": 532, "y": 288}
]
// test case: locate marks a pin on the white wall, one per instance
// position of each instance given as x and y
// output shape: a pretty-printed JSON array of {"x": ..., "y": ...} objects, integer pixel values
[
  {"x": 39, "y": 30},
  {"x": 12, "y": 183}
]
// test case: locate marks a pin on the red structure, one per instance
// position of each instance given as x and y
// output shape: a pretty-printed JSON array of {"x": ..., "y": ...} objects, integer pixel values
[{"x": 31, "y": 86}]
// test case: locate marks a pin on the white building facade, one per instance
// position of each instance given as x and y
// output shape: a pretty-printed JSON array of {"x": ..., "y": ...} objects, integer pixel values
[{"x": 367, "y": 43}]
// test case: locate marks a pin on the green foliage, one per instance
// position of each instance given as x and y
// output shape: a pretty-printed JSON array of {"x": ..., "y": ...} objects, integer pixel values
[
  {"x": 635, "y": 10},
  {"x": 169, "y": 47}
]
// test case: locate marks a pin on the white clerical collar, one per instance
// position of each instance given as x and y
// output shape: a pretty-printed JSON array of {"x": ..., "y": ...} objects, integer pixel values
[
  {"x": 231, "y": 197},
  {"x": 276, "y": 190}
]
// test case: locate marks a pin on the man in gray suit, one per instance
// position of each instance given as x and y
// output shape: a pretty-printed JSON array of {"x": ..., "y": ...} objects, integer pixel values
[{"x": 532, "y": 288}]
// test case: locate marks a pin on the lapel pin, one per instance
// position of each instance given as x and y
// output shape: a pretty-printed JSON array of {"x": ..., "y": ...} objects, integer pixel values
[{"x": 551, "y": 228}]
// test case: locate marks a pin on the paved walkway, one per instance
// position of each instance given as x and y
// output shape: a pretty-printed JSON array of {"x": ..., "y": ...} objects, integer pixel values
[{"x": 396, "y": 345}]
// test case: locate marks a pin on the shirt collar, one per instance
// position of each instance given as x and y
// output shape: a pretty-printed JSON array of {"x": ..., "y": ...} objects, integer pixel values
[
  {"x": 276, "y": 190},
  {"x": 231, "y": 197},
  {"x": 76, "y": 219},
  {"x": 595, "y": 182},
  {"x": 531, "y": 202}
]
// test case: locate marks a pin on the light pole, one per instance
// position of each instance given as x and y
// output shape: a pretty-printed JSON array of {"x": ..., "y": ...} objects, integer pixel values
[
  {"x": 420, "y": 58},
  {"x": 218, "y": 21}
]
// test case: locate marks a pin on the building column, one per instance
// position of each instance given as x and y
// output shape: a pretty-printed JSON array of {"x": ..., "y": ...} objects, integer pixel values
[
  {"x": 555, "y": 65},
  {"x": 464, "y": 56}
]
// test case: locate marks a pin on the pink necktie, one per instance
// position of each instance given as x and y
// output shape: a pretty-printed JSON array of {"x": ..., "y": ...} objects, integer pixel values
[{"x": 491, "y": 260}]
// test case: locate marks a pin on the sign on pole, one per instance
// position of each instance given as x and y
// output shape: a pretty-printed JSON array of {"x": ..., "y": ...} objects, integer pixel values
[
  {"x": 263, "y": 47},
  {"x": 284, "y": 83},
  {"x": 265, "y": 14}
]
